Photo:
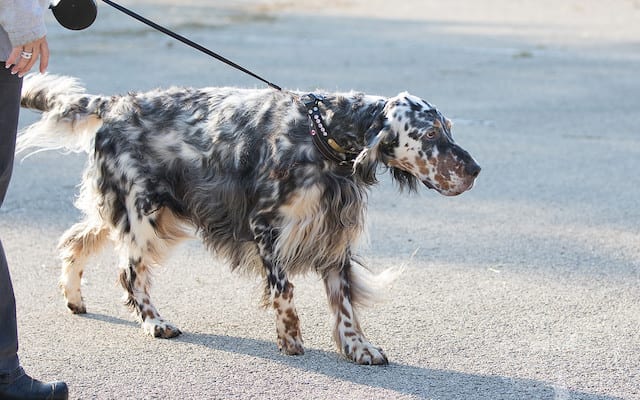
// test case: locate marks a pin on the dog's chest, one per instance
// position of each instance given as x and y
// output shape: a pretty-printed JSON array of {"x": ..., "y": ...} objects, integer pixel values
[
  {"x": 302, "y": 210},
  {"x": 315, "y": 229}
]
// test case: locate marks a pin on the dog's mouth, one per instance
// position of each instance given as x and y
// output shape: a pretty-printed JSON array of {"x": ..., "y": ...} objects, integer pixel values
[
  {"x": 430, "y": 185},
  {"x": 451, "y": 191}
]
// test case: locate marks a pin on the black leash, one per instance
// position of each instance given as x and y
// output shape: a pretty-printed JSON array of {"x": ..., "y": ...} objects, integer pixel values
[{"x": 189, "y": 42}]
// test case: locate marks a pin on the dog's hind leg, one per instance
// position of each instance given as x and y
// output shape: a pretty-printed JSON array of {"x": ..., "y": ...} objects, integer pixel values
[
  {"x": 144, "y": 247},
  {"x": 347, "y": 333},
  {"x": 135, "y": 278},
  {"x": 76, "y": 245}
]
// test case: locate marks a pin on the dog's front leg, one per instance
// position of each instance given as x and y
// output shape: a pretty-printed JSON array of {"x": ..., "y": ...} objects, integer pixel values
[
  {"x": 279, "y": 291},
  {"x": 346, "y": 330},
  {"x": 287, "y": 322}
]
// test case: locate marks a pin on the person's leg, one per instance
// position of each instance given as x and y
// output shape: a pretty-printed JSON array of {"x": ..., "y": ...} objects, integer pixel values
[
  {"x": 10, "y": 86},
  {"x": 14, "y": 382},
  {"x": 8, "y": 331}
]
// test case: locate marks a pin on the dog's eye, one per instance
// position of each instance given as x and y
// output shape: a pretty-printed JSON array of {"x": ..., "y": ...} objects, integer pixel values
[{"x": 431, "y": 134}]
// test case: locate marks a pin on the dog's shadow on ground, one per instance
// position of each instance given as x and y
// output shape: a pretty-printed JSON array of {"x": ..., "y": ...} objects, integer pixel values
[
  {"x": 401, "y": 378},
  {"x": 404, "y": 379},
  {"x": 108, "y": 319}
]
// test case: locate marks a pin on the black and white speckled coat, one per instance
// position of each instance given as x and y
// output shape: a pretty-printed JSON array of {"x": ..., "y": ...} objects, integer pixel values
[{"x": 239, "y": 168}]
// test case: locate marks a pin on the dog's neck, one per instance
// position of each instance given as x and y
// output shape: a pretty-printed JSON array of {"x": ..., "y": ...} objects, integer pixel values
[{"x": 340, "y": 122}]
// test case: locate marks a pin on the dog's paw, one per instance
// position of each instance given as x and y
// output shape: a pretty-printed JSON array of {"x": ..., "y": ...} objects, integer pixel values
[
  {"x": 364, "y": 353},
  {"x": 160, "y": 329},
  {"x": 75, "y": 302},
  {"x": 77, "y": 308},
  {"x": 290, "y": 345}
]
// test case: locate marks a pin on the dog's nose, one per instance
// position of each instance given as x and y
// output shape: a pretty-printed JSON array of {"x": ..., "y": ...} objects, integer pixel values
[{"x": 472, "y": 169}]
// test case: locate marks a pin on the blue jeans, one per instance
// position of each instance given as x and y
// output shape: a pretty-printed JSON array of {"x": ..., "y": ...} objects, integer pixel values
[{"x": 10, "y": 87}]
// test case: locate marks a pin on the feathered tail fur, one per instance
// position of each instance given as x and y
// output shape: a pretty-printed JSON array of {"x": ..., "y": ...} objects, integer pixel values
[{"x": 70, "y": 117}]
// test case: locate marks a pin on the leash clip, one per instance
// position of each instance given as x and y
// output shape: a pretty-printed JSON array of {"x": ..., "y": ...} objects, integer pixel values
[{"x": 312, "y": 99}]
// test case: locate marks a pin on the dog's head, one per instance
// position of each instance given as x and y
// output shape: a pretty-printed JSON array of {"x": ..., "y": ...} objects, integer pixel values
[{"x": 413, "y": 139}]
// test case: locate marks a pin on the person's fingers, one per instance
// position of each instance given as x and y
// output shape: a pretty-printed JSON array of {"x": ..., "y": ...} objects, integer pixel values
[
  {"x": 44, "y": 57},
  {"x": 35, "y": 53},
  {"x": 21, "y": 63},
  {"x": 13, "y": 57},
  {"x": 23, "y": 58}
]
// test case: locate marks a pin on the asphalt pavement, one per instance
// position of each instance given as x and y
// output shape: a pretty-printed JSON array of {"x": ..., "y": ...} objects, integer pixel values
[{"x": 526, "y": 287}]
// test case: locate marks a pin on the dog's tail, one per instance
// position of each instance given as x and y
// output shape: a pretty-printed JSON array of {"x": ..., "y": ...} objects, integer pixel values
[
  {"x": 367, "y": 287},
  {"x": 70, "y": 118}
]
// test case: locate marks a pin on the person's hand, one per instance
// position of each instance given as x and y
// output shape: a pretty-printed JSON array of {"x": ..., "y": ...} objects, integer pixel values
[{"x": 22, "y": 58}]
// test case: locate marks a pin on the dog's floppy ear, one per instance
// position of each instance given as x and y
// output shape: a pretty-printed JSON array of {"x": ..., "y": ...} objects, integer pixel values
[
  {"x": 373, "y": 135},
  {"x": 367, "y": 161}
]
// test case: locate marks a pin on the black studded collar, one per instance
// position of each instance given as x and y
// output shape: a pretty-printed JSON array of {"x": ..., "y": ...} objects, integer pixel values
[{"x": 327, "y": 145}]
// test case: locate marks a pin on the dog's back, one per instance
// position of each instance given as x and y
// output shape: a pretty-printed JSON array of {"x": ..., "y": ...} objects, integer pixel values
[{"x": 175, "y": 123}]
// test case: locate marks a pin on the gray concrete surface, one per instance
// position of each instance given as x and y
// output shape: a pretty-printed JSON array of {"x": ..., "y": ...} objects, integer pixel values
[{"x": 524, "y": 288}]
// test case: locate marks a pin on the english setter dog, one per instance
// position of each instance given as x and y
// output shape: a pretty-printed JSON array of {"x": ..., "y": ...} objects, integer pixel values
[{"x": 273, "y": 181}]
